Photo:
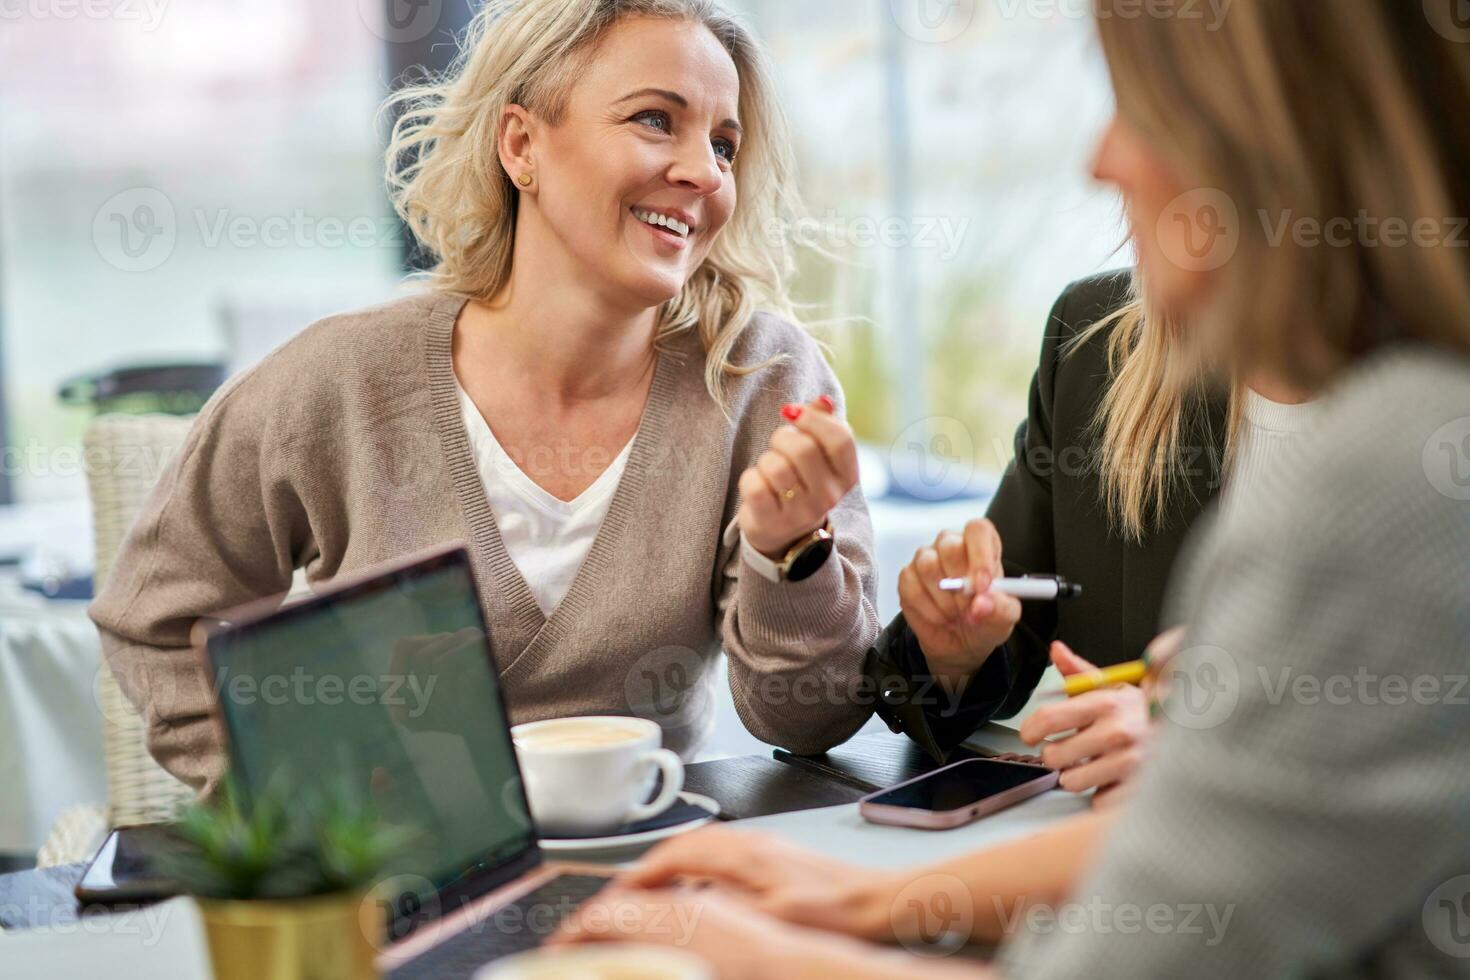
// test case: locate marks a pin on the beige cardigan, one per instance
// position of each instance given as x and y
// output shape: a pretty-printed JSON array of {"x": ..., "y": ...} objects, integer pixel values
[{"x": 346, "y": 448}]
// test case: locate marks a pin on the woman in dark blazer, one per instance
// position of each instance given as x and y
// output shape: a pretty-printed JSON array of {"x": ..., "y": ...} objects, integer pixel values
[{"x": 1052, "y": 514}]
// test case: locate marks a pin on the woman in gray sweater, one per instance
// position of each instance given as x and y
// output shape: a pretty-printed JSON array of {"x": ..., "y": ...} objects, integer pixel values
[
  {"x": 1292, "y": 177},
  {"x": 645, "y": 467}
]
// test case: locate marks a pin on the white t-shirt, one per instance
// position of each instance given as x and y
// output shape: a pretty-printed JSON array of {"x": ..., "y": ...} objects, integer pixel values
[
  {"x": 1269, "y": 433},
  {"x": 547, "y": 538}
]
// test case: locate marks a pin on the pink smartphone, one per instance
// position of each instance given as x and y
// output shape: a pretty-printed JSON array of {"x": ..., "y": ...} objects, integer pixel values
[{"x": 956, "y": 794}]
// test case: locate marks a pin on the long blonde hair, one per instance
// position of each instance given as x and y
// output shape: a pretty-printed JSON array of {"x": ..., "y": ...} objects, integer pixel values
[
  {"x": 1295, "y": 109},
  {"x": 446, "y": 181},
  {"x": 1154, "y": 403}
]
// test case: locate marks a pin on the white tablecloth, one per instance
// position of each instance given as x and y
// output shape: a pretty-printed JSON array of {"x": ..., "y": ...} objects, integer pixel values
[{"x": 50, "y": 724}]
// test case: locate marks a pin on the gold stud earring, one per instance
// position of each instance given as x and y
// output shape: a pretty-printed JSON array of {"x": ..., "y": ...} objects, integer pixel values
[{"x": 525, "y": 180}]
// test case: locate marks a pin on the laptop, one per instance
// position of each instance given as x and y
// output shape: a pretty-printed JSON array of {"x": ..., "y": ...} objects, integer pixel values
[{"x": 386, "y": 683}]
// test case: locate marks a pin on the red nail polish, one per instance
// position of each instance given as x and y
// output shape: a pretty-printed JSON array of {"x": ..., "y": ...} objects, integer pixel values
[
  {"x": 791, "y": 412},
  {"x": 827, "y": 403}
]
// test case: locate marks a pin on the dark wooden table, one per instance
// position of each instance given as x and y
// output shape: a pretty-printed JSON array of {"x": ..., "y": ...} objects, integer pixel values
[{"x": 747, "y": 786}]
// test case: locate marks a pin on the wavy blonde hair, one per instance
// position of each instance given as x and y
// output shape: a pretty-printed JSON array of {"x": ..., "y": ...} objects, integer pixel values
[
  {"x": 1299, "y": 108},
  {"x": 447, "y": 184}
]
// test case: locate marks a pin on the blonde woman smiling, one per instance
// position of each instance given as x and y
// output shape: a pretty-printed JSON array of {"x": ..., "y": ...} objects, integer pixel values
[{"x": 587, "y": 394}]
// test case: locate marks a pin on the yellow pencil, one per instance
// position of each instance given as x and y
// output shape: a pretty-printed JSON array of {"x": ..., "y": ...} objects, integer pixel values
[{"x": 1132, "y": 672}]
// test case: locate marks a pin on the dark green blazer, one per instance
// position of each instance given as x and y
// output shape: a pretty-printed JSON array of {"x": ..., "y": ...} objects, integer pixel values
[{"x": 1051, "y": 517}]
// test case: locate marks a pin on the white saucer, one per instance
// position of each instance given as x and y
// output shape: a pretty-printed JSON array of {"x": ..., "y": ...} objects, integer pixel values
[{"x": 617, "y": 841}]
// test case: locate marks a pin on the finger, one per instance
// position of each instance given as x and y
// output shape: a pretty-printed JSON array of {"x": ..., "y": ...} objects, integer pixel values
[
  {"x": 1068, "y": 715},
  {"x": 782, "y": 479},
  {"x": 574, "y": 928},
  {"x": 916, "y": 602},
  {"x": 805, "y": 456},
  {"x": 722, "y": 857},
  {"x": 757, "y": 496},
  {"x": 1103, "y": 738},
  {"x": 1164, "y": 648},
  {"x": 999, "y": 610},
  {"x": 613, "y": 915},
  {"x": 1107, "y": 771},
  {"x": 1068, "y": 662},
  {"x": 982, "y": 607},
  {"x": 837, "y": 443},
  {"x": 983, "y": 550},
  {"x": 953, "y": 555},
  {"x": 931, "y": 573},
  {"x": 983, "y": 544}
]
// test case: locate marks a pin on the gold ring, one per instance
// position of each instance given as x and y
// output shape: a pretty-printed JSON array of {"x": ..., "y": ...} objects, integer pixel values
[{"x": 790, "y": 494}]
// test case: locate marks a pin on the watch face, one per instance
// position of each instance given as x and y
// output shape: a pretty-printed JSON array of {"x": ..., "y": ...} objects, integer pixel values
[{"x": 805, "y": 565}]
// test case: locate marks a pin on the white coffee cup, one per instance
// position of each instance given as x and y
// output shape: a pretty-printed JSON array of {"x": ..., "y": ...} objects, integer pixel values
[
  {"x": 589, "y": 776},
  {"x": 622, "y": 961}
]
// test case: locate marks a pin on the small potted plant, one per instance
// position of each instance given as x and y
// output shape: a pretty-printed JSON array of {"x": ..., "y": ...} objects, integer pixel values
[{"x": 281, "y": 884}]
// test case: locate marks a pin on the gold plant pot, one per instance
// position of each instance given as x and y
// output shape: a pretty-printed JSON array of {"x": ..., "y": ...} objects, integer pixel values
[{"x": 331, "y": 937}]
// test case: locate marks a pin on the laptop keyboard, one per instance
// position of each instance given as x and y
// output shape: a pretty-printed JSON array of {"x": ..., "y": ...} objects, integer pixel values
[{"x": 515, "y": 928}]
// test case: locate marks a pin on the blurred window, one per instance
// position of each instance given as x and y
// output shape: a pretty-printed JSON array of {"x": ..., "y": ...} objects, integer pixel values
[{"x": 185, "y": 181}]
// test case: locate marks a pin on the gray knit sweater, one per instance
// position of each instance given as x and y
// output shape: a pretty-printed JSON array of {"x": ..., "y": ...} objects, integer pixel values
[
  {"x": 346, "y": 448},
  {"x": 1307, "y": 809}
]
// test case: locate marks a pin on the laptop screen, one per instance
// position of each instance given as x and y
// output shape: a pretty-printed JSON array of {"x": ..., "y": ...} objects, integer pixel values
[{"x": 385, "y": 689}]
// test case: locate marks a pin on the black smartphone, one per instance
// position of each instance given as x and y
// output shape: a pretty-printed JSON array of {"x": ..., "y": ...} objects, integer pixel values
[
  {"x": 125, "y": 869},
  {"x": 957, "y": 794}
]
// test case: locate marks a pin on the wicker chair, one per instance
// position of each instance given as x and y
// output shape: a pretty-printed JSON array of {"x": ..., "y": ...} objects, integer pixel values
[{"x": 126, "y": 455}]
